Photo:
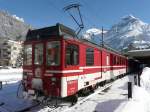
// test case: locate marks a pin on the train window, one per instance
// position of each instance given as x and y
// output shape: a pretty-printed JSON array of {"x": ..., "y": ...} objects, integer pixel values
[
  {"x": 121, "y": 61},
  {"x": 89, "y": 56},
  {"x": 114, "y": 60},
  {"x": 107, "y": 60},
  {"x": 117, "y": 60},
  {"x": 28, "y": 55},
  {"x": 53, "y": 53},
  {"x": 72, "y": 54},
  {"x": 38, "y": 54}
]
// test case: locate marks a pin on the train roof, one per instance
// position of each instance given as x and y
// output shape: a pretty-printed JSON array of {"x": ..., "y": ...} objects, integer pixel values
[
  {"x": 61, "y": 30},
  {"x": 45, "y": 33},
  {"x": 106, "y": 47}
]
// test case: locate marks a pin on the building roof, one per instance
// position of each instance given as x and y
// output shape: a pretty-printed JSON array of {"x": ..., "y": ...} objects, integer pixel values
[{"x": 139, "y": 53}]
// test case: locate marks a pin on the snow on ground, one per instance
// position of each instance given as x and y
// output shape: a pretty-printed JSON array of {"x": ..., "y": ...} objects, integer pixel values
[
  {"x": 145, "y": 79},
  {"x": 111, "y": 100},
  {"x": 114, "y": 99},
  {"x": 140, "y": 101},
  {"x": 10, "y": 75},
  {"x": 106, "y": 101},
  {"x": 9, "y": 102},
  {"x": 8, "y": 96}
]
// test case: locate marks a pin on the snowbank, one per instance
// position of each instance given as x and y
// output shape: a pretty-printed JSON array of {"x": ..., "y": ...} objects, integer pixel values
[
  {"x": 141, "y": 95},
  {"x": 145, "y": 79},
  {"x": 140, "y": 101},
  {"x": 11, "y": 74},
  {"x": 11, "y": 70}
]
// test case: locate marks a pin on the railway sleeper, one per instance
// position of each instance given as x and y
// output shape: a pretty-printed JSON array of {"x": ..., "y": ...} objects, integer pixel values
[
  {"x": 101, "y": 84},
  {"x": 86, "y": 91},
  {"x": 58, "y": 101}
]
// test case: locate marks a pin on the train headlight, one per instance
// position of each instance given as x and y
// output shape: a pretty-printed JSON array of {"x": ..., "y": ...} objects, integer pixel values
[
  {"x": 38, "y": 72},
  {"x": 25, "y": 75},
  {"x": 53, "y": 79}
]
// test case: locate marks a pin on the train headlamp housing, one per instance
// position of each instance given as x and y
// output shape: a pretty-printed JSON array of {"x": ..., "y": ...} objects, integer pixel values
[
  {"x": 53, "y": 79},
  {"x": 38, "y": 72},
  {"x": 25, "y": 75}
]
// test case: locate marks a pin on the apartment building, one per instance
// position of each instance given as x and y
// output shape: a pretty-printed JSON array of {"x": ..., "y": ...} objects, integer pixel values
[{"x": 10, "y": 52}]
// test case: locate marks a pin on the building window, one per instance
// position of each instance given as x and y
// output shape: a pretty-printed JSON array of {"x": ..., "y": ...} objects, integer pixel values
[
  {"x": 89, "y": 56},
  {"x": 53, "y": 53},
  {"x": 72, "y": 54},
  {"x": 5, "y": 43},
  {"x": 38, "y": 54},
  {"x": 14, "y": 48},
  {"x": 28, "y": 55}
]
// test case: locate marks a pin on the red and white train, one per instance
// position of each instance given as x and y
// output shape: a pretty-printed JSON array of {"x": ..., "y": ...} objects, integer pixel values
[{"x": 57, "y": 64}]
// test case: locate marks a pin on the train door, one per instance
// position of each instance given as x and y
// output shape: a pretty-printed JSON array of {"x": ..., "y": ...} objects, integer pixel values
[
  {"x": 72, "y": 64},
  {"x": 111, "y": 66},
  {"x": 38, "y": 66},
  {"x": 53, "y": 67},
  {"x": 107, "y": 68},
  {"x": 105, "y": 65}
]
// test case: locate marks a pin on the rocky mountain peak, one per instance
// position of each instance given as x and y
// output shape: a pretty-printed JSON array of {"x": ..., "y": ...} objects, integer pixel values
[
  {"x": 12, "y": 27},
  {"x": 129, "y": 18},
  {"x": 128, "y": 31}
]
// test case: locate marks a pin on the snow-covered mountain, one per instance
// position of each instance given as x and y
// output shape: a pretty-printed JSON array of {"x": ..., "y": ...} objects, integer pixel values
[
  {"x": 129, "y": 33},
  {"x": 12, "y": 27},
  {"x": 94, "y": 35}
]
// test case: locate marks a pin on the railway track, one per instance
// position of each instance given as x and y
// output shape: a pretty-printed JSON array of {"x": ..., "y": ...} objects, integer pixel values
[
  {"x": 64, "y": 107},
  {"x": 82, "y": 100},
  {"x": 67, "y": 106}
]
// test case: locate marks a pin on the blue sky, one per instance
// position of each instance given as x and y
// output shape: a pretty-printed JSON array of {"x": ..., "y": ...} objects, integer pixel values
[{"x": 96, "y": 13}]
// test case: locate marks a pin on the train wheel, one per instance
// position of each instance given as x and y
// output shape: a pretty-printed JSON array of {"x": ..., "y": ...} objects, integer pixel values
[
  {"x": 92, "y": 89},
  {"x": 96, "y": 86},
  {"x": 74, "y": 99},
  {"x": 85, "y": 91},
  {"x": 102, "y": 83}
]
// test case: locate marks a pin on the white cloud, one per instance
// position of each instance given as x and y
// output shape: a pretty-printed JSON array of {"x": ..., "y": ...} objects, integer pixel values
[
  {"x": 95, "y": 31},
  {"x": 18, "y": 18}
]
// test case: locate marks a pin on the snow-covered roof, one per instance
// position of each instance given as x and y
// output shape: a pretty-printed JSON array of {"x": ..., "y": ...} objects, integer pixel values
[{"x": 139, "y": 53}]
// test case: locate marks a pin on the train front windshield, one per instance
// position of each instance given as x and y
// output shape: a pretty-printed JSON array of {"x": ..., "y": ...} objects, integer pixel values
[
  {"x": 53, "y": 53},
  {"x": 28, "y": 55},
  {"x": 38, "y": 54}
]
